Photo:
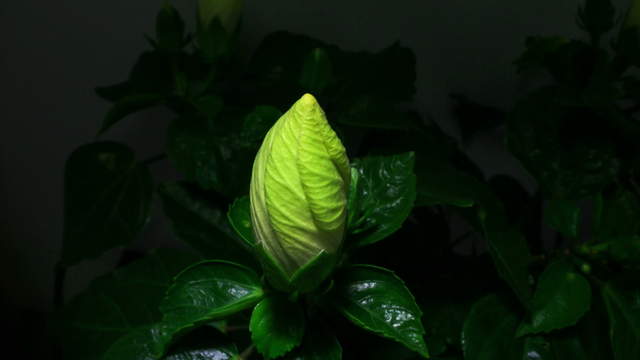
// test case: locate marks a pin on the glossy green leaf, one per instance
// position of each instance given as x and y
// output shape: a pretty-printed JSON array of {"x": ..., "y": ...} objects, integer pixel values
[
  {"x": 169, "y": 28},
  {"x": 145, "y": 342},
  {"x": 277, "y": 326},
  {"x": 317, "y": 71},
  {"x": 561, "y": 298},
  {"x": 377, "y": 300},
  {"x": 203, "y": 292},
  {"x": 564, "y": 216},
  {"x": 208, "y": 291},
  {"x": 384, "y": 196},
  {"x": 621, "y": 298},
  {"x": 319, "y": 343},
  {"x": 201, "y": 223},
  {"x": 127, "y": 106},
  {"x": 107, "y": 200},
  {"x": 119, "y": 304},
  {"x": 203, "y": 344},
  {"x": 489, "y": 331},
  {"x": 239, "y": 216}
]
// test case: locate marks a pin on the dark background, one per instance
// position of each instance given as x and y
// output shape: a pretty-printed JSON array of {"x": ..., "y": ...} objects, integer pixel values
[{"x": 55, "y": 52}]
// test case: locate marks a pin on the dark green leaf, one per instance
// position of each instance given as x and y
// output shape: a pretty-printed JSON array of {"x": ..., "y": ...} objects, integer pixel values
[
  {"x": 319, "y": 343},
  {"x": 203, "y": 292},
  {"x": 119, "y": 304},
  {"x": 617, "y": 215},
  {"x": 622, "y": 299},
  {"x": 511, "y": 256},
  {"x": 201, "y": 223},
  {"x": 356, "y": 73},
  {"x": 213, "y": 40},
  {"x": 562, "y": 297},
  {"x": 204, "y": 344},
  {"x": 258, "y": 122},
  {"x": 127, "y": 106},
  {"x": 596, "y": 17},
  {"x": 210, "y": 160},
  {"x": 489, "y": 331},
  {"x": 209, "y": 107},
  {"x": 239, "y": 216},
  {"x": 384, "y": 193},
  {"x": 317, "y": 72},
  {"x": 107, "y": 200},
  {"x": 624, "y": 250},
  {"x": 375, "y": 299},
  {"x": 588, "y": 339},
  {"x": 208, "y": 291},
  {"x": 566, "y": 149},
  {"x": 277, "y": 326},
  {"x": 564, "y": 216},
  {"x": 145, "y": 342},
  {"x": 367, "y": 111},
  {"x": 169, "y": 29},
  {"x": 519, "y": 206}
]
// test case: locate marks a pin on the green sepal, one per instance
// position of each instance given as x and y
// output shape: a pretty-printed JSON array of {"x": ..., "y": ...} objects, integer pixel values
[
  {"x": 305, "y": 280},
  {"x": 311, "y": 275},
  {"x": 239, "y": 216}
]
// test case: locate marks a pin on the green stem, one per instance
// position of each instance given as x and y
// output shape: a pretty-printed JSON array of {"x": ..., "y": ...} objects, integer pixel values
[{"x": 246, "y": 353}]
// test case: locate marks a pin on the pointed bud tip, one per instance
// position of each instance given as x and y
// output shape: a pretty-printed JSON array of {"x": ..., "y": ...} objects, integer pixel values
[{"x": 308, "y": 101}]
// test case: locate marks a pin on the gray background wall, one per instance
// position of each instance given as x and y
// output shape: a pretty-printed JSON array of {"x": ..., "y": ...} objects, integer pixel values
[{"x": 53, "y": 53}]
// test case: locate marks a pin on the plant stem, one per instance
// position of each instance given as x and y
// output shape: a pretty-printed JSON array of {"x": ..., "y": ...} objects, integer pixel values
[
  {"x": 246, "y": 353},
  {"x": 154, "y": 159}
]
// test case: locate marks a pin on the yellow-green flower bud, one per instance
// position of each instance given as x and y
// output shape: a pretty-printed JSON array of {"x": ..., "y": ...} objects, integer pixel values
[
  {"x": 299, "y": 188},
  {"x": 227, "y": 11}
]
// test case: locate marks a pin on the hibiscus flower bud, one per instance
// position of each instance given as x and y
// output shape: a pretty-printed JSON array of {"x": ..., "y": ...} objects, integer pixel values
[
  {"x": 227, "y": 11},
  {"x": 299, "y": 189}
]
